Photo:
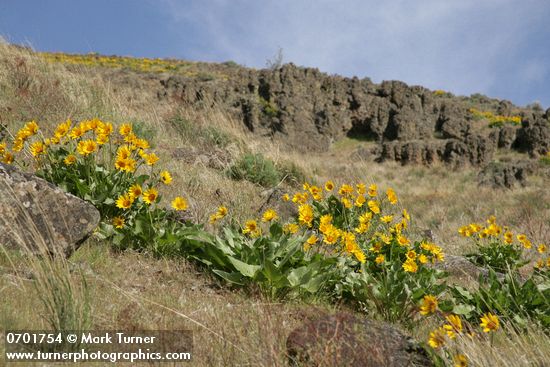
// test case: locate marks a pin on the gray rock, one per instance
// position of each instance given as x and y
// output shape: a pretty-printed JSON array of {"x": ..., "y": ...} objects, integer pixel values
[
  {"x": 344, "y": 339},
  {"x": 506, "y": 174},
  {"x": 461, "y": 267},
  {"x": 307, "y": 110},
  {"x": 40, "y": 217},
  {"x": 534, "y": 136}
]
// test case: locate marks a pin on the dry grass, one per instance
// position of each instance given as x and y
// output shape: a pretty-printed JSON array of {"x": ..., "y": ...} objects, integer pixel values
[{"x": 230, "y": 327}]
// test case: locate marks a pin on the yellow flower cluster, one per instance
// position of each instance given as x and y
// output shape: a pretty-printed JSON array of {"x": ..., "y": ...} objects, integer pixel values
[
  {"x": 85, "y": 139},
  {"x": 219, "y": 214},
  {"x": 144, "y": 65},
  {"x": 361, "y": 229},
  {"x": 495, "y": 119},
  {"x": 453, "y": 327},
  {"x": 492, "y": 231}
]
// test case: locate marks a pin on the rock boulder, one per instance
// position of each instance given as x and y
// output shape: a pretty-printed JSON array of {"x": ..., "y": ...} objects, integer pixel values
[
  {"x": 344, "y": 339},
  {"x": 39, "y": 217}
]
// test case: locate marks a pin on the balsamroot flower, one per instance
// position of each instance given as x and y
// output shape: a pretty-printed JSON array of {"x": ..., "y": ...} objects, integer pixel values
[
  {"x": 489, "y": 322},
  {"x": 179, "y": 203},
  {"x": 429, "y": 305}
]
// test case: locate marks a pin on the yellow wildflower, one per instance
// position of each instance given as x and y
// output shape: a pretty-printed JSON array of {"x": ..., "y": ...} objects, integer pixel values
[
  {"x": 331, "y": 235},
  {"x": 8, "y": 158},
  {"x": 329, "y": 186},
  {"x": 387, "y": 218},
  {"x": 150, "y": 196},
  {"x": 362, "y": 228},
  {"x": 124, "y": 201},
  {"x": 179, "y": 203},
  {"x": 151, "y": 159},
  {"x": 269, "y": 215},
  {"x": 361, "y": 189},
  {"x": 345, "y": 190},
  {"x": 489, "y": 322},
  {"x": 62, "y": 129},
  {"x": 392, "y": 197},
  {"x": 312, "y": 240},
  {"x": 251, "y": 228},
  {"x": 86, "y": 147},
  {"x": 118, "y": 222},
  {"x": 373, "y": 206},
  {"x": 123, "y": 152},
  {"x": 305, "y": 215},
  {"x": 347, "y": 203},
  {"x": 437, "y": 338},
  {"x": 37, "y": 148},
  {"x": 460, "y": 360},
  {"x": 410, "y": 266},
  {"x": 541, "y": 248},
  {"x": 76, "y": 132},
  {"x": 360, "y": 200},
  {"x": 454, "y": 326},
  {"x": 429, "y": 305},
  {"x": 290, "y": 228},
  {"x": 135, "y": 191},
  {"x": 166, "y": 177},
  {"x": 373, "y": 190},
  {"x": 380, "y": 259},
  {"x": 70, "y": 159},
  {"x": 127, "y": 165},
  {"x": 125, "y": 129},
  {"x": 360, "y": 256},
  {"x": 220, "y": 214},
  {"x": 403, "y": 241}
]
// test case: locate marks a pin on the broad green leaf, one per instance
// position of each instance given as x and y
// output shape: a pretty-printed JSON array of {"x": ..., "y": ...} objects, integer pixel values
[
  {"x": 462, "y": 309},
  {"x": 245, "y": 269},
  {"x": 235, "y": 278}
]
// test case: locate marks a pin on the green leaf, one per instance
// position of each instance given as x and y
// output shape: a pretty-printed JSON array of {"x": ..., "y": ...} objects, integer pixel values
[
  {"x": 296, "y": 276},
  {"x": 462, "y": 309},
  {"x": 544, "y": 286},
  {"x": 235, "y": 278},
  {"x": 245, "y": 269},
  {"x": 315, "y": 283},
  {"x": 463, "y": 292}
]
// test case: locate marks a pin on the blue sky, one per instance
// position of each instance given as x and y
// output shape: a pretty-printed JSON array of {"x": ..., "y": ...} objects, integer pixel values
[{"x": 500, "y": 48}]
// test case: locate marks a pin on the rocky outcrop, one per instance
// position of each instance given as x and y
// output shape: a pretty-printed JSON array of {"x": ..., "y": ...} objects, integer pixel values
[
  {"x": 506, "y": 174},
  {"x": 534, "y": 135},
  {"x": 38, "y": 217},
  {"x": 344, "y": 339},
  {"x": 308, "y": 110}
]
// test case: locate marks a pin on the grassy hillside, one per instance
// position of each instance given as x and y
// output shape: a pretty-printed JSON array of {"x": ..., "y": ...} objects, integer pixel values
[{"x": 209, "y": 155}]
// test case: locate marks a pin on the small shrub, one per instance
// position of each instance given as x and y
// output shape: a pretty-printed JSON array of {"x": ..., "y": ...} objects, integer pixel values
[
  {"x": 255, "y": 168},
  {"x": 276, "y": 61},
  {"x": 231, "y": 64},
  {"x": 269, "y": 108},
  {"x": 214, "y": 136},
  {"x": 182, "y": 126},
  {"x": 144, "y": 131}
]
